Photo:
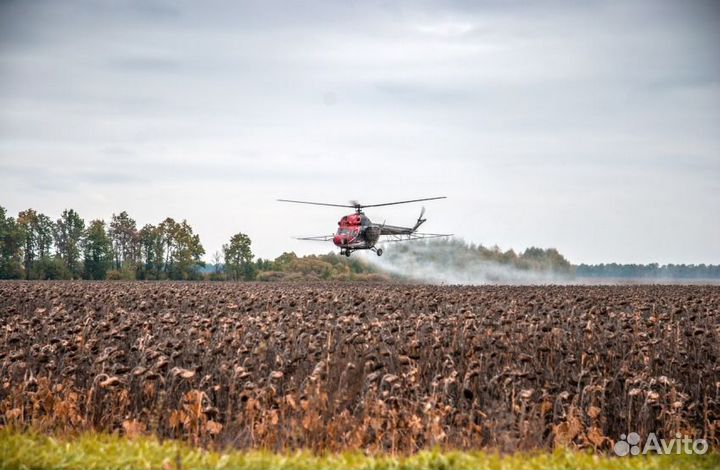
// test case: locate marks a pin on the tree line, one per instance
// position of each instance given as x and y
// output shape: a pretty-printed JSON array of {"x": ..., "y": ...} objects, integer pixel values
[
  {"x": 34, "y": 246},
  {"x": 652, "y": 270}
]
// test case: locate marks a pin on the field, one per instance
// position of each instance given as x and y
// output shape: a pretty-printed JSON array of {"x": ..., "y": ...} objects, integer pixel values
[{"x": 353, "y": 367}]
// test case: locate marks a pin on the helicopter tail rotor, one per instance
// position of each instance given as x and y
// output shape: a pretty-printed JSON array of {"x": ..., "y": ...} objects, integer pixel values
[{"x": 420, "y": 219}]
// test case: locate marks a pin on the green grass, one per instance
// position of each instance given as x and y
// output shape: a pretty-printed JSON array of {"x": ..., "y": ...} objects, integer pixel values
[{"x": 100, "y": 451}]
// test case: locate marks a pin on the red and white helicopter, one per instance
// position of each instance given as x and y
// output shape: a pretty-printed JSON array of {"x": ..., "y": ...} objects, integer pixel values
[{"x": 356, "y": 231}]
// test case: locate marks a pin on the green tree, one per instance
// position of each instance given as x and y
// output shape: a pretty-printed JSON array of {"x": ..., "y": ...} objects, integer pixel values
[
  {"x": 50, "y": 267},
  {"x": 168, "y": 230},
  {"x": 98, "y": 251},
  {"x": 238, "y": 258},
  {"x": 69, "y": 231},
  {"x": 182, "y": 249},
  {"x": 264, "y": 264},
  {"x": 37, "y": 235},
  {"x": 10, "y": 247},
  {"x": 27, "y": 223},
  {"x": 125, "y": 240},
  {"x": 152, "y": 252},
  {"x": 283, "y": 261},
  {"x": 187, "y": 254},
  {"x": 45, "y": 231}
]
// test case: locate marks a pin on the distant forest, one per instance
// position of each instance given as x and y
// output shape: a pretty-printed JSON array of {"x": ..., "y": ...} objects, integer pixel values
[
  {"x": 649, "y": 271},
  {"x": 34, "y": 246}
]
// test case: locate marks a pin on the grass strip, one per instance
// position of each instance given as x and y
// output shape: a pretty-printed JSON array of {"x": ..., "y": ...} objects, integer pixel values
[{"x": 102, "y": 451}]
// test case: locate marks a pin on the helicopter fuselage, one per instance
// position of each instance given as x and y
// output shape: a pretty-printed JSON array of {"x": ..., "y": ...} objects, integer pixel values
[{"x": 356, "y": 232}]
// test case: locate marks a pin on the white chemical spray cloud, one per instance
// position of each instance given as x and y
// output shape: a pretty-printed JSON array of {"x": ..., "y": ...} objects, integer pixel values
[{"x": 456, "y": 262}]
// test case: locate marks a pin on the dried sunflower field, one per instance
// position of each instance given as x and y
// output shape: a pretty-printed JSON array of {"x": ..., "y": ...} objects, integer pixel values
[{"x": 377, "y": 368}]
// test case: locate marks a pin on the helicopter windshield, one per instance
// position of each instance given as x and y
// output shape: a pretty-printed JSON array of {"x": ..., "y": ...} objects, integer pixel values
[{"x": 346, "y": 231}]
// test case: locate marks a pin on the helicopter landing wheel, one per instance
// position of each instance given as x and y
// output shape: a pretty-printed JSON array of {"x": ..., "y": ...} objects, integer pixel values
[
  {"x": 379, "y": 251},
  {"x": 347, "y": 253}
]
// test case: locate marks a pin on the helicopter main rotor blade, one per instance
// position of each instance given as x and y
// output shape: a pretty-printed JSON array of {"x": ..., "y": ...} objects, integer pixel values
[
  {"x": 357, "y": 206},
  {"x": 404, "y": 202},
  {"x": 316, "y": 203}
]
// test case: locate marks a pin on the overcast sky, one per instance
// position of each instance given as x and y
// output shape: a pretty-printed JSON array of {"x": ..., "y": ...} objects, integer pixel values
[{"x": 592, "y": 127}]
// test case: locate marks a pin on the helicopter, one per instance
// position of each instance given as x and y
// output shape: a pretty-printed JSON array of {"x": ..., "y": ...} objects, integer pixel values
[{"x": 357, "y": 232}]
